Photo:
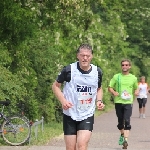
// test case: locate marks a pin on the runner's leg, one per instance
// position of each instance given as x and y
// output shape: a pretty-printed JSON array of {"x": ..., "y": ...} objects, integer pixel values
[
  {"x": 83, "y": 137},
  {"x": 84, "y": 133},
  {"x": 140, "y": 107},
  {"x": 144, "y": 106},
  {"x": 127, "y": 115},
  {"x": 70, "y": 132},
  {"x": 70, "y": 141},
  {"x": 119, "y": 113}
]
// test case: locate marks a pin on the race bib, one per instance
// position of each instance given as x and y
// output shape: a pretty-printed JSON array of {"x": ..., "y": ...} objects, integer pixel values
[
  {"x": 125, "y": 95},
  {"x": 85, "y": 97},
  {"x": 84, "y": 103}
]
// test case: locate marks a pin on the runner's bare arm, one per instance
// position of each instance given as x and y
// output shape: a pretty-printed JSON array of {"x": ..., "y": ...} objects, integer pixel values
[
  {"x": 99, "y": 103},
  {"x": 99, "y": 93},
  {"x": 148, "y": 88},
  {"x": 136, "y": 92},
  {"x": 112, "y": 91},
  {"x": 58, "y": 93}
]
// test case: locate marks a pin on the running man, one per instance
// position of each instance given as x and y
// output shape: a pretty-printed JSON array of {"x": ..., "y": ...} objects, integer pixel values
[
  {"x": 82, "y": 87},
  {"x": 142, "y": 97},
  {"x": 124, "y": 86}
]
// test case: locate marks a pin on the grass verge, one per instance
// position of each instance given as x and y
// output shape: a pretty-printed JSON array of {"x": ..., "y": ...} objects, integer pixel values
[
  {"x": 50, "y": 131},
  {"x": 106, "y": 109}
]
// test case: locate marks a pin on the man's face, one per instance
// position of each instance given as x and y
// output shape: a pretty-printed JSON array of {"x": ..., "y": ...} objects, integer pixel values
[
  {"x": 84, "y": 56},
  {"x": 125, "y": 66}
]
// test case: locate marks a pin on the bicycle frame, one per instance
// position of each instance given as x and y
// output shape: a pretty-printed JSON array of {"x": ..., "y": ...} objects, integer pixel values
[
  {"x": 14, "y": 127},
  {"x": 2, "y": 116}
]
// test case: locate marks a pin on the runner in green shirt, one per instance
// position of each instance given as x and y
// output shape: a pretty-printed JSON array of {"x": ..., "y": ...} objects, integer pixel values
[{"x": 124, "y": 86}]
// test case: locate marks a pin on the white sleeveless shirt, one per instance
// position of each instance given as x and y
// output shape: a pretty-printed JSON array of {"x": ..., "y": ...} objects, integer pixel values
[
  {"x": 81, "y": 91},
  {"x": 143, "y": 90}
]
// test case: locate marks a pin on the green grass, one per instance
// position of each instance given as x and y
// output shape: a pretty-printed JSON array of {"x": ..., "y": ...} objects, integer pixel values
[
  {"x": 50, "y": 131},
  {"x": 107, "y": 108},
  {"x": 2, "y": 141}
]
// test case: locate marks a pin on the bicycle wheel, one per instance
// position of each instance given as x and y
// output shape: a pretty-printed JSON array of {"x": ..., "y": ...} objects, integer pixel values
[{"x": 16, "y": 131}]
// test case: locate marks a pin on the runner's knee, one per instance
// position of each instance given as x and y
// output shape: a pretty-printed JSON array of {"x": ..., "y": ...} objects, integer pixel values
[
  {"x": 120, "y": 123},
  {"x": 140, "y": 105},
  {"x": 140, "y": 102},
  {"x": 127, "y": 125},
  {"x": 143, "y": 104},
  {"x": 120, "y": 126}
]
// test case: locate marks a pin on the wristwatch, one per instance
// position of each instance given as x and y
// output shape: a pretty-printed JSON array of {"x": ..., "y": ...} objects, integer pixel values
[{"x": 100, "y": 101}]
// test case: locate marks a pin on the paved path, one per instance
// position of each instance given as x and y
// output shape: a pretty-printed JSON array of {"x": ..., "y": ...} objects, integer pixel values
[{"x": 105, "y": 134}]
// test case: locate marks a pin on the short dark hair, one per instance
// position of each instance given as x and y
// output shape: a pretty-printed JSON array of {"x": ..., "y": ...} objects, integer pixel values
[
  {"x": 85, "y": 46},
  {"x": 125, "y": 59}
]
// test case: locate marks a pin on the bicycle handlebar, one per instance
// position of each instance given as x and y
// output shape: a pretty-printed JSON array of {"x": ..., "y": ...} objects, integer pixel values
[{"x": 6, "y": 102}]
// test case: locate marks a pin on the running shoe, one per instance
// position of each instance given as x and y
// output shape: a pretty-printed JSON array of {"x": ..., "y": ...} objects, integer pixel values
[
  {"x": 140, "y": 115},
  {"x": 121, "y": 140},
  {"x": 144, "y": 116},
  {"x": 125, "y": 145}
]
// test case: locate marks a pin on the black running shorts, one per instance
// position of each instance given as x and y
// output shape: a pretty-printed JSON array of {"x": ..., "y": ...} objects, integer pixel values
[
  {"x": 71, "y": 126},
  {"x": 142, "y": 102},
  {"x": 123, "y": 111}
]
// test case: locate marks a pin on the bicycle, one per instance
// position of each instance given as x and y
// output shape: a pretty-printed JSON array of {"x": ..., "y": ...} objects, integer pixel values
[{"x": 15, "y": 130}]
